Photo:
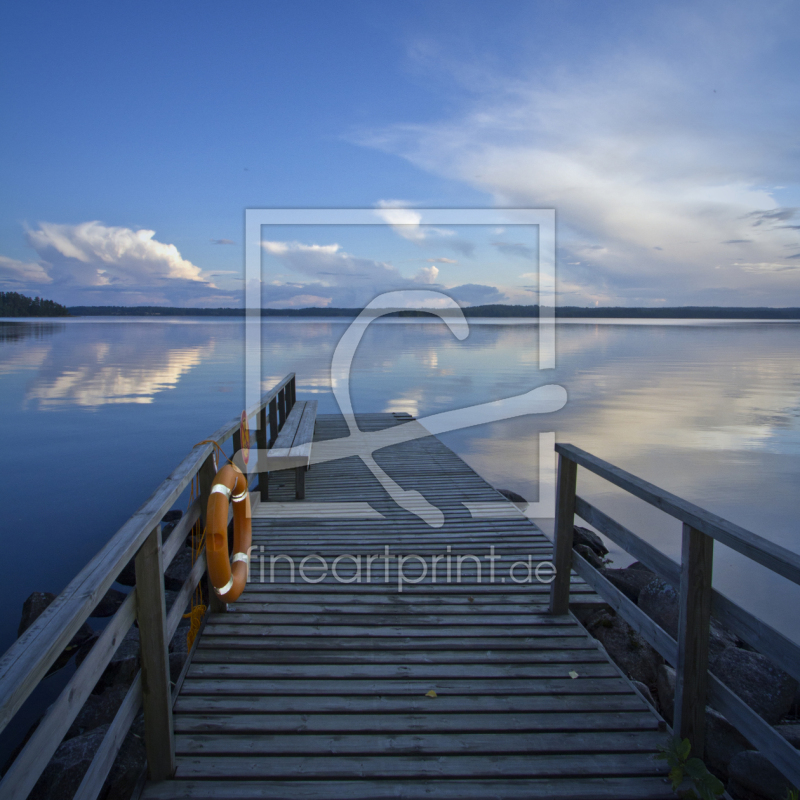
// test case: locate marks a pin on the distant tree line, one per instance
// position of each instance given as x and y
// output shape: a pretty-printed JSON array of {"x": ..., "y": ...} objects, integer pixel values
[
  {"x": 497, "y": 310},
  {"x": 13, "y": 304}
]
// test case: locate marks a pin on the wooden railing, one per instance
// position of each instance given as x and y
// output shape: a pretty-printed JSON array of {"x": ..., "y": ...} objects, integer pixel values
[
  {"x": 695, "y": 686},
  {"x": 27, "y": 661}
]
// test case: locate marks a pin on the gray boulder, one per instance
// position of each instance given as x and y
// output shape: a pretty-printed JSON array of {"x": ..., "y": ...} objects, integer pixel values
[
  {"x": 629, "y": 581},
  {"x": 512, "y": 496},
  {"x": 108, "y": 606},
  {"x": 646, "y": 693},
  {"x": 128, "y": 575},
  {"x": 766, "y": 689},
  {"x": 637, "y": 659},
  {"x": 62, "y": 776},
  {"x": 659, "y": 600},
  {"x": 590, "y": 539},
  {"x": 791, "y": 732},
  {"x": 590, "y": 555},
  {"x": 723, "y": 742},
  {"x": 178, "y": 571},
  {"x": 33, "y": 607},
  {"x": 129, "y": 765},
  {"x": 99, "y": 709},
  {"x": 665, "y": 689},
  {"x": 753, "y": 777},
  {"x": 172, "y": 516},
  {"x": 123, "y": 666}
]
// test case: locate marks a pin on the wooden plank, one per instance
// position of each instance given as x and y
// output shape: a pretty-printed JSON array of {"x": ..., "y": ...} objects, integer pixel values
[
  {"x": 648, "y": 555},
  {"x": 388, "y": 704},
  {"x": 485, "y": 688},
  {"x": 764, "y": 638},
  {"x": 572, "y": 657},
  {"x": 630, "y": 612},
  {"x": 389, "y": 632},
  {"x": 604, "y": 722},
  {"x": 607, "y": 788},
  {"x": 95, "y": 776},
  {"x": 564, "y": 522},
  {"x": 426, "y": 744},
  {"x": 156, "y": 696},
  {"x": 311, "y": 672},
  {"x": 771, "y": 555},
  {"x": 177, "y": 538},
  {"x": 22, "y": 775},
  {"x": 694, "y": 619},
  {"x": 184, "y": 595},
  {"x": 262, "y": 444},
  {"x": 758, "y": 732},
  {"x": 386, "y": 767}
]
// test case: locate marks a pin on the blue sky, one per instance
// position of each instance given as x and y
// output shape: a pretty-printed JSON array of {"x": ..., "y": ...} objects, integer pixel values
[{"x": 665, "y": 135}]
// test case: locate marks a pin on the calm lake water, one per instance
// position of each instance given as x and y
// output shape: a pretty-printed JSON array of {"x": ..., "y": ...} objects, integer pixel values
[{"x": 95, "y": 412}]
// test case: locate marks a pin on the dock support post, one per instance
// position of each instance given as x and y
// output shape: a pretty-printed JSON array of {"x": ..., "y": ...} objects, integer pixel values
[
  {"x": 159, "y": 736},
  {"x": 691, "y": 680},
  {"x": 206, "y": 475},
  {"x": 261, "y": 444},
  {"x": 281, "y": 407},
  {"x": 562, "y": 546},
  {"x": 273, "y": 421}
]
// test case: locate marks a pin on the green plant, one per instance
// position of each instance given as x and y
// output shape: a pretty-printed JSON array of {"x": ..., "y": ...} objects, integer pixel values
[
  {"x": 792, "y": 794},
  {"x": 682, "y": 768}
]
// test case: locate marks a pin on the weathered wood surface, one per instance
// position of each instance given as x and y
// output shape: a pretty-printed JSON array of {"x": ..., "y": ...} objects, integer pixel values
[{"x": 321, "y": 690}]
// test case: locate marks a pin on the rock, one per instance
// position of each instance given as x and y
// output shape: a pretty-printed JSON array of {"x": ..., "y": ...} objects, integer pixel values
[
  {"x": 629, "y": 581},
  {"x": 176, "y": 662},
  {"x": 99, "y": 709},
  {"x": 646, "y": 693},
  {"x": 108, "y": 606},
  {"x": 128, "y": 575},
  {"x": 512, "y": 496},
  {"x": 791, "y": 732},
  {"x": 665, "y": 689},
  {"x": 179, "y": 643},
  {"x": 659, "y": 600},
  {"x": 63, "y": 775},
  {"x": 752, "y": 777},
  {"x": 766, "y": 689},
  {"x": 590, "y": 555},
  {"x": 178, "y": 571},
  {"x": 637, "y": 659},
  {"x": 32, "y": 608},
  {"x": 123, "y": 666},
  {"x": 639, "y": 565},
  {"x": 172, "y": 516},
  {"x": 590, "y": 539},
  {"x": 129, "y": 765},
  {"x": 723, "y": 742}
]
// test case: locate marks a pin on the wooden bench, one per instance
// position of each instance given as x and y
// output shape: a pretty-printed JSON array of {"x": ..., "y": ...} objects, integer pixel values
[{"x": 292, "y": 448}]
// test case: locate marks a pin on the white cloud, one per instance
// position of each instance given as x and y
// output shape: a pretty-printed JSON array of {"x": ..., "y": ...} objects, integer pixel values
[
  {"x": 97, "y": 255},
  {"x": 441, "y": 261},
  {"x": 95, "y": 264},
  {"x": 654, "y": 187},
  {"x": 427, "y": 275},
  {"x": 22, "y": 272}
]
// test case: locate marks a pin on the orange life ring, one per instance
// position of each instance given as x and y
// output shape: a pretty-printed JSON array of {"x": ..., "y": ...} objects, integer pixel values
[{"x": 228, "y": 577}]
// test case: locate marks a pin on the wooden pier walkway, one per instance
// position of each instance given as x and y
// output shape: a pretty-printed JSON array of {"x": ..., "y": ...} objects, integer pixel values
[{"x": 444, "y": 690}]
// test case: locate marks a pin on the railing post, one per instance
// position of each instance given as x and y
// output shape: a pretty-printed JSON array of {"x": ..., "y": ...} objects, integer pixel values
[
  {"x": 292, "y": 393},
  {"x": 691, "y": 680},
  {"x": 151, "y": 614},
  {"x": 282, "y": 407},
  {"x": 273, "y": 421},
  {"x": 564, "y": 523},
  {"x": 261, "y": 445},
  {"x": 205, "y": 476}
]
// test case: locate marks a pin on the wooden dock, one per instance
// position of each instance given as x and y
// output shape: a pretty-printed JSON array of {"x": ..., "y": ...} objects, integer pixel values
[{"x": 444, "y": 690}]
